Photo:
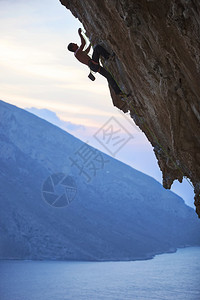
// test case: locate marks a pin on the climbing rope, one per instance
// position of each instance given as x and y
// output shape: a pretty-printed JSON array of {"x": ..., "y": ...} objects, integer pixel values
[{"x": 125, "y": 96}]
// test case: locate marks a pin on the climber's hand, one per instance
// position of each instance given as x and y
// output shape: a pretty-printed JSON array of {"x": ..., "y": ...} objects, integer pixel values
[
  {"x": 80, "y": 31},
  {"x": 82, "y": 39}
]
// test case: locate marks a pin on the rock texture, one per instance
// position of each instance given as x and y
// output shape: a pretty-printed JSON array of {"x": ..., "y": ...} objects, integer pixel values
[{"x": 157, "y": 50}]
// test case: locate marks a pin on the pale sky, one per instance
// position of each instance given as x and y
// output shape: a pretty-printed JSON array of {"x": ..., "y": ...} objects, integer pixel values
[{"x": 38, "y": 72}]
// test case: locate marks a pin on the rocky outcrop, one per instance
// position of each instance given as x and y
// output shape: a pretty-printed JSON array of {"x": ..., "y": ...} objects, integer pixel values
[{"x": 157, "y": 50}]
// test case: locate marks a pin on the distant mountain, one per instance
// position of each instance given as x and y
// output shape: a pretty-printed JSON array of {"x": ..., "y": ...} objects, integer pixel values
[
  {"x": 61, "y": 199},
  {"x": 51, "y": 116}
]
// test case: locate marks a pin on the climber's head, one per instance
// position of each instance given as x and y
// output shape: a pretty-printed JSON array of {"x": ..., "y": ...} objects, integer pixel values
[{"x": 72, "y": 47}]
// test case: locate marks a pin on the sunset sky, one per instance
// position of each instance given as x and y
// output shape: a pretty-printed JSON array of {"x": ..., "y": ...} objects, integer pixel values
[{"x": 37, "y": 73}]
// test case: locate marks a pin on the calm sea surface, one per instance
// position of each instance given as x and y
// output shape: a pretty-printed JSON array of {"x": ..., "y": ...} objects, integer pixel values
[{"x": 168, "y": 276}]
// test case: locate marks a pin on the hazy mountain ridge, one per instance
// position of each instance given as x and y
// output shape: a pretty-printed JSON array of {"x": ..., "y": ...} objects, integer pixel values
[
  {"x": 52, "y": 117},
  {"x": 120, "y": 214}
]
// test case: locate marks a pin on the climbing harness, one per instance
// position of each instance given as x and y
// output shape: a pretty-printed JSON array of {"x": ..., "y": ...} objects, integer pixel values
[{"x": 96, "y": 68}]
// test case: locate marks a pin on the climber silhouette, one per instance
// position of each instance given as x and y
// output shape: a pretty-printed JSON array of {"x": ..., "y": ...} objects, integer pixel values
[{"x": 93, "y": 63}]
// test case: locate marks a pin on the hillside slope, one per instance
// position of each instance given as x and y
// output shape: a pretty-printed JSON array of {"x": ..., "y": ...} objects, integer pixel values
[{"x": 116, "y": 214}]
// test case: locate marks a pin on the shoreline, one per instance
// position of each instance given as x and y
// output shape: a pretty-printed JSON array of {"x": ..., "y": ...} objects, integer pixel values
[{"x": 148, "y": 257}]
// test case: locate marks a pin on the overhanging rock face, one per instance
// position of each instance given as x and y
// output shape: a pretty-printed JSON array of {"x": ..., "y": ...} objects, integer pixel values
[{"x": 157, "y": 47}]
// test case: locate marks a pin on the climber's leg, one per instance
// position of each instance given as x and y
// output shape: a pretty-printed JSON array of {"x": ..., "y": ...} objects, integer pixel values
[
  {"x": 99, "y": 50},
  {"x": 110, "y": 80}
]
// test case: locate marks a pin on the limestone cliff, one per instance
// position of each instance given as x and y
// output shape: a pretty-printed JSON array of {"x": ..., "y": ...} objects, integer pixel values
[{"x": 157, "y": 50}]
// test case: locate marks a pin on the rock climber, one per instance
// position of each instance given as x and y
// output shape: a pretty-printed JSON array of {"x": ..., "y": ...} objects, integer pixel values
[{"x": 93, "y": 63}]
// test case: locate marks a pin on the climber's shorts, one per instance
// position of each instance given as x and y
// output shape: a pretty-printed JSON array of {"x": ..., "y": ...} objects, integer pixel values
[{"x": 94, "y": 66}]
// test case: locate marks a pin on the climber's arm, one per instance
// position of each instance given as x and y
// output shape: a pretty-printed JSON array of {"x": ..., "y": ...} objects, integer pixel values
[
  {"x": 88, "y": 49},
  {"x": 82, "y": 40}
]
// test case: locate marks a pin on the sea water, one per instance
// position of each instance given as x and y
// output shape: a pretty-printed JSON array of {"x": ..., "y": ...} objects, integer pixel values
[{"x": 167, "y": 276}]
